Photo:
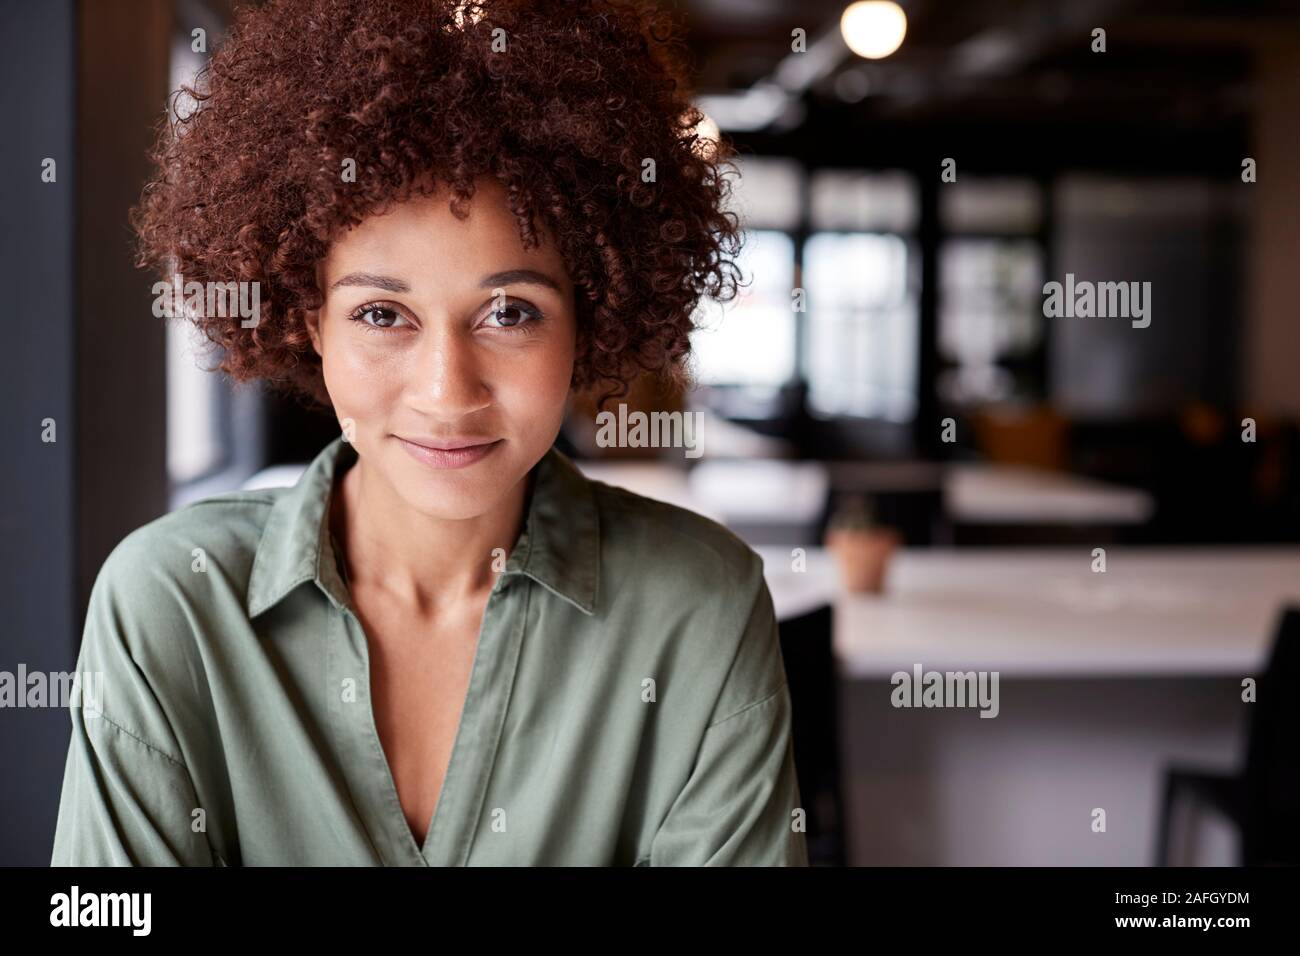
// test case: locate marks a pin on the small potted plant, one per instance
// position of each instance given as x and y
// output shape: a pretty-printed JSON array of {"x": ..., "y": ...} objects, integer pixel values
[{"x": 861, "y": 547}]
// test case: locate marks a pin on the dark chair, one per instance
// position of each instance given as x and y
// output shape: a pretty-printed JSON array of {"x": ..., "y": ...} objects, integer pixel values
[
  {"x": 810, "y": 669},
  {"x": 1262, "y": 800}
]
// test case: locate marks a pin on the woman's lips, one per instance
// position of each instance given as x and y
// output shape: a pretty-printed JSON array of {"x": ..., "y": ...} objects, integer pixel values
[{"x": 459, "y": 455}]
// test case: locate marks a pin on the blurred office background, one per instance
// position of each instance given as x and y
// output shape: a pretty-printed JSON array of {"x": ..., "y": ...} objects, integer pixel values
[{"x": 887, "y": 382}]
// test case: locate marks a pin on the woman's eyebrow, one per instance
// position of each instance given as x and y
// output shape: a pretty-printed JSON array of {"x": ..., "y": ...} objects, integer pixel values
[
  {"x": 369, "y": 279},
  {"x": 519, "y": 276},
  {"x": 508, "y": 277}
]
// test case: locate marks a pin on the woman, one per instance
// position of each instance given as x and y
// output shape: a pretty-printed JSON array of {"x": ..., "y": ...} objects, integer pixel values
[{"x": 444, "y": 645}]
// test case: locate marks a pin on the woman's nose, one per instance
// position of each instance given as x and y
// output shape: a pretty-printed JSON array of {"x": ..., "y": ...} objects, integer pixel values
[{"x": 448, "y": 381}]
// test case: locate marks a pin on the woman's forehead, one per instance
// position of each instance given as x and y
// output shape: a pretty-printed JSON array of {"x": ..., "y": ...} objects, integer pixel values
[{"x": 422, "y": 241}]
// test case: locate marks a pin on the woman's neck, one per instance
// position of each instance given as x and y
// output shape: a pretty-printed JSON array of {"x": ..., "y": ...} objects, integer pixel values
[{"x": 423, "y": 562}]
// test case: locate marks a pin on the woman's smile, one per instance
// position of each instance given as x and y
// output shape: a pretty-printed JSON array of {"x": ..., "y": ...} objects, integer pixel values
[{"x": 450, "y": 453}]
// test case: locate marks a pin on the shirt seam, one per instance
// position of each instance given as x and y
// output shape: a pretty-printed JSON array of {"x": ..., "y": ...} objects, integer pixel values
[
  {"x": 745, "y": 619},
  {"x": 140, "y": 740},
  {"x": 766, "y": 698},
  {"x": 750, "y": 706},
  {"x": 232, "y": 498},
  {"x": 179, "y": 764},
  {"x": 225, "y": 499}
]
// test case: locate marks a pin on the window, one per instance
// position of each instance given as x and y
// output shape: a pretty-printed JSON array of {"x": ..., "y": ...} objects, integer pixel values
[
  {"x": 862, "y": 341},
  {"x": 751, "y": 340},
  {"x": 213, "y": 430},
  {"x": 990, "y": 291},
  {"x": 860, "y": 272},
  {"x": 194, "y": 444},
  {"x": 990, "y": 311}
]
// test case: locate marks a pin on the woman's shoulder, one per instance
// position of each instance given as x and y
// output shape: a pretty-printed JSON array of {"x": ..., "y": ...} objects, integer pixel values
[
  {"x": 227, "y": 525},
  {"x": 673, "y": 576},
  {"x": 173, "y": 558},
  {"x": 674, "y": 544},
  {"x": 165, "y": 589}
]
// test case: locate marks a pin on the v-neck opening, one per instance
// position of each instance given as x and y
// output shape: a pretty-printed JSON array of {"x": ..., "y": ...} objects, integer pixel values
[
  {"x": 484, "y": 704},
  {"x": 426, "y": 844},
  {"x": 451, "y": 777}
]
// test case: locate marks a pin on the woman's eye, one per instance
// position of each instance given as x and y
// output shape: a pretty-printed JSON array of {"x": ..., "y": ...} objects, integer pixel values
[
  {"x": 377, "y": 317},
  {"x": 511, "y": 316}
]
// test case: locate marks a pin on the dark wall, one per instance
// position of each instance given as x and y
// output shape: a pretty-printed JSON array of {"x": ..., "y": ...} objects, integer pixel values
[
  {"x": 37, "y": 556},
  {"x": 121, "y": 381},
  {"x": 83, "y": 85}
]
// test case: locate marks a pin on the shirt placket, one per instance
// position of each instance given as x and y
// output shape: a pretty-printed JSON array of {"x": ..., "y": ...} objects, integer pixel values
[
  {"x": 460, "y": 804},
  {"x": 361, "y": 758},
  {"x": 456, "y": 818}
]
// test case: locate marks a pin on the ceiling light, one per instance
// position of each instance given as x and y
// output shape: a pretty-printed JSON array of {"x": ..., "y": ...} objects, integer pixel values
[{"x": 873, "y": 28}]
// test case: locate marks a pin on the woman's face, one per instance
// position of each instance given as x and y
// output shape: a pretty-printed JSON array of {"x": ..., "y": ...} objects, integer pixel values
[{"x": 447, "y": 349}]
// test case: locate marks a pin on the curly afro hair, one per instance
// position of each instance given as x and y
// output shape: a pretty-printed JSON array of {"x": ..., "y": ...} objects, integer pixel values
[{"x": 562, "y": 101}]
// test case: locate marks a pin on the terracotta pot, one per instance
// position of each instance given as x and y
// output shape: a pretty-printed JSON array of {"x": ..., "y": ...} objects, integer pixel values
[{"x": 863, "y": 556}]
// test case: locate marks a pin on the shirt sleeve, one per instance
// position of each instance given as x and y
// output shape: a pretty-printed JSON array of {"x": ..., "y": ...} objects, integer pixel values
[
  {"x": 127, "y": 797},
  {"x": 740, "y": 805},
  {"x": 124, "y": 803}
]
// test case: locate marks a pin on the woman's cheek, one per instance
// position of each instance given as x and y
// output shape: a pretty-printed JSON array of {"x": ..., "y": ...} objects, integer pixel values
[
  {"x": 372, "y": 364},
  {"x": 531, "y": 401},
  {"x": 361, "y": 380},
  {"x": 550, "y": 375}
]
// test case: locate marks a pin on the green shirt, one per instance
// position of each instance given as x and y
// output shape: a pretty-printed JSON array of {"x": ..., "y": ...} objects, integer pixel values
[{"x": 627, "y": 703}]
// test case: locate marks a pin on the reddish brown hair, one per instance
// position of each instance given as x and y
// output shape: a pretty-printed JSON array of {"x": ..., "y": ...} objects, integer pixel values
[{"x": 250, "y": 184}]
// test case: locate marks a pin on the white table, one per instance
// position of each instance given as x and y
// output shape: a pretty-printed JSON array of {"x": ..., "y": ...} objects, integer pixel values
[
  {"x": 730, "y": 491},
  {"x": 773, "y": 491},
  {"x": 1045, "y": 613},
  {"x": 1012, "y": 494}
]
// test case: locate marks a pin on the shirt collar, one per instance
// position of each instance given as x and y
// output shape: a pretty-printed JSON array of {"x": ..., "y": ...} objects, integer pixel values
[{"x": 559, "y": 547}]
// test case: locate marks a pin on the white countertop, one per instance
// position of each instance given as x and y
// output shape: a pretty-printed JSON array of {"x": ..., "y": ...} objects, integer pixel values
[
  {"x": 794, "y": 492},
  {"x": 1011, "y": 494},
  {"x": 1044, "y": 612},
  {"x": 730, "y": 491}
]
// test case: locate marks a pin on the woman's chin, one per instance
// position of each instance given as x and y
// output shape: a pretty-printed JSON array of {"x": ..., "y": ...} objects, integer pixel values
[{"x": 451, "y": 495}]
